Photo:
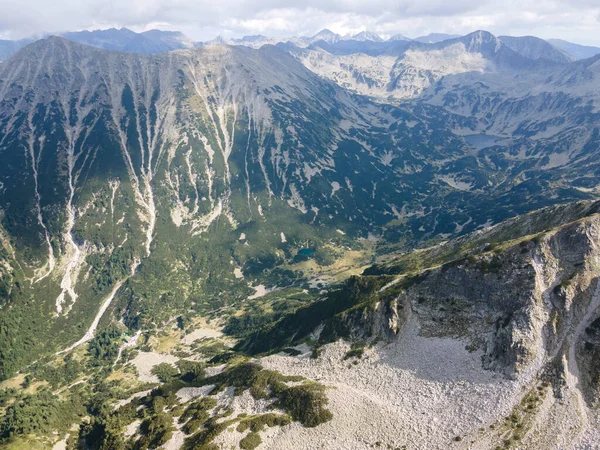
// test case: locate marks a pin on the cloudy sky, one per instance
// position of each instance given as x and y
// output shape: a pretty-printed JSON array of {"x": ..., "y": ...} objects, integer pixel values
[{"x": 575, "y": 20}]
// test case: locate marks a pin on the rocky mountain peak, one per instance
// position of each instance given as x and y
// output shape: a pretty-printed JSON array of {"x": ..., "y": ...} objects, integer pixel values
[
  {"x": 536, "y": 48},
  {"x": 326, "y": 35},
  {"x": 398, "y": 37},
  {"x": 365, "y": 36},
  {"x": 481, "y": 41}
]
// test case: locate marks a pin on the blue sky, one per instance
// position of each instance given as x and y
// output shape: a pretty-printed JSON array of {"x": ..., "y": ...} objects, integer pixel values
[{"x": 575, "y": 20}]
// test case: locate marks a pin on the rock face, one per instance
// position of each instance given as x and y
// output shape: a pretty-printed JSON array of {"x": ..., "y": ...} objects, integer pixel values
[
  {"x": 531, "y": 303},
  {"x": 522, "y": 298},
  {"x": 527, "y": 306},
  {"x": 523, "y": 305},
  {"x": 378, "y": 319},
  {"x": 532, "y": 308}
]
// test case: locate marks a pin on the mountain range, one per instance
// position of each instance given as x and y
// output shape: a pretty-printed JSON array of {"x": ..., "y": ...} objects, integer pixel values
[
  {"x": 200, "y": 241},
  {"x": 123, "y": 39},
  {"x": 158, "y": 41}
]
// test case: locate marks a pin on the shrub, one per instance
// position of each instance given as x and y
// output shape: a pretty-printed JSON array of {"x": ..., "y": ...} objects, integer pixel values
[
  {"x": 198, "y": 410},
  {"x": 257, "y": 423},
  {"x": 41, "y": 413},
  {"x": 104, "y": 347},
  {"x": 251, "y": 441},
  {"x": 306, "y": 404},
  {"x": 194, "y": 424},
  {"x": 165, "y": 372},
  {"x": 156, "y": 431},
  {"x": 356, "y": 351},
  {"x": 190, "y": 370}
]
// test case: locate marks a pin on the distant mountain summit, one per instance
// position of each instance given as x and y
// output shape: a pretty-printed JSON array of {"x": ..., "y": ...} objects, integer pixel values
[
  {"x": 122, "y": 39},
  {"x": 399, "y": 37},
  {"x": 158, "y": 41},
  {"x": 254, "y": 41},
  {"x": 7, "y": 47},
  {"x": 479, "y": 41},
  {"x": 575, "y": 50},
  {"x": 326, "y": 35},
  {"x": 434, "y": 38},
  {"x": 536, "y": 48},
  {"x": 367, "y": 36},
  {"x": 174, "y": 39},
  {"x": 125, "y": 40}
]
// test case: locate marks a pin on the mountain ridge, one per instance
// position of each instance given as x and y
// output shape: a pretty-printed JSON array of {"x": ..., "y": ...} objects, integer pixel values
[
  {"x": 157, "y": 41},
  {"x": 536, "y": 48}
]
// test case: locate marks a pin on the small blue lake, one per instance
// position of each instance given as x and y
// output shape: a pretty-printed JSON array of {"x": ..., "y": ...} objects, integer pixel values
[{"x": 481, "y": 141}]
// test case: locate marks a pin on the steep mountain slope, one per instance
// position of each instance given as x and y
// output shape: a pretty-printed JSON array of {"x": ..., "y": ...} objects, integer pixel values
[
  {"x": 7, "y": 47},
  {"x": 563, "y": 97},
  {"x": 473, "y": 76},
  {"x": 576, "y": 50},
  {"x": 489, "y": 340},
  {"x": 536, "y": 48},
  {"x": 526, "y": 306},
  {"x": 112, "y": 151},
  {"x": 403, "y": 70},
  {"x": 124, "y": 162},
  {"x": 503, "y": 98},
  {"x": 125, "y": 40}
]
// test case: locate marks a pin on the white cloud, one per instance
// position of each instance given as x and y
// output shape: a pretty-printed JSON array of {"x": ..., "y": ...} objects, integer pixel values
[{"x": 577, "y": 20}]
